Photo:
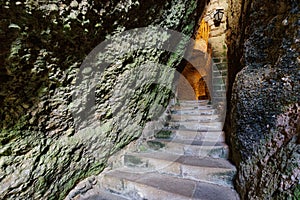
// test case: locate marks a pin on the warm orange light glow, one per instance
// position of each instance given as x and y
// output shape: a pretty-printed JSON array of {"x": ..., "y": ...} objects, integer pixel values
[
  {"x": 194, "y": 87},
  {"x": 202, "y": 36}
]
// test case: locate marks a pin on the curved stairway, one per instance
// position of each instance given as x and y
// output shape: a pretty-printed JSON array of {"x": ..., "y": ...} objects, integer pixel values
[{"x": 185, "y": 160}]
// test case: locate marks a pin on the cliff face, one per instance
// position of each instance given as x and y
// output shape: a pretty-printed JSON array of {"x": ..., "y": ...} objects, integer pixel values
[
  {"x": 264, "y": 73},
  {"x": 43, "y": 45}
]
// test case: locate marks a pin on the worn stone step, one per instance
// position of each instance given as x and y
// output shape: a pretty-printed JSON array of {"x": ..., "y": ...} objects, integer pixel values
[
  {"x": 191, "y": 142},
  {"x": 194, "y": 125},
  {"x": 138, "y": 184},
  {"x": 211, "y": 136},
  {"x": 220, "y": 66},
  {"x": 219, "y": 59},
  {"x": 196, "y": 118},
  {"x": 219, "y": 99},
  {"x": 193, "y": 101},
  {"x": 222, "y": 73},
  {"x": 195, "y": 111},
  {"x": 222, "y": 90},
  {"x": 222, "y": 84},
  {"x": 222, "y": 70},
  {"x": 190, "y": 147},
  {"x": 216, "y": 171},
  {"x": 219, "y": 77},
  {"x": 219, "y": 94},
  {"x": 191, "y": 107},
  {"x": 154, "y": 186},
  {"x": 100, "y": 194},
  {"x": 218, "y": 80},
  {"x": 219, "y": 87}
]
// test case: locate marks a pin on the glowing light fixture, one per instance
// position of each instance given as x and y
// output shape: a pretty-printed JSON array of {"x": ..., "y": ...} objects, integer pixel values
[{"x": 218, "y": 15}]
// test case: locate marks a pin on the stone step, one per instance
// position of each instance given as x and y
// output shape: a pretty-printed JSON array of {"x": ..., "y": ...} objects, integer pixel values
[
  {"x": 209, "y": 136},
  {"x": 215, "y": 136},
  {"x": 220, "y": 99},
  {"x": 220, "y": 70},
  {"x": 196, "y": 118},
  {"x": 154, "y": 186},
  {"x": 194, "y": 111},
  {"x": 219, "y": 87},
  {"x": 221, "y": 73},
  {"x": 219, "y": 59},
  {"x": 192, "y": 102},
  {"x": 220, "y": 66},
  {"x": 191, "y": 107},
  {"x": 100, "y": 194},
  {"x": 211, "y": 170},
  {"x": 194, "y": 125},
  {"x": 218, "y": 80},
  {"x": 190, "y": 147},
  {"x": 219, "y": 94},
  {"x": 222, "y": 90},
  {"x": 219, "y": 77}
]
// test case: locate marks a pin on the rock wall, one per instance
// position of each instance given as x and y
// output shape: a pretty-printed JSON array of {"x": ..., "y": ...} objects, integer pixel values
[
  {"x": 43, "y": 45},
  {"x": 264, "y": 73}
]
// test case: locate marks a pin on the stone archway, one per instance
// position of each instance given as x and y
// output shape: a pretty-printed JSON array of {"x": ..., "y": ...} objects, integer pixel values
[{"x": 195, "y": 83}]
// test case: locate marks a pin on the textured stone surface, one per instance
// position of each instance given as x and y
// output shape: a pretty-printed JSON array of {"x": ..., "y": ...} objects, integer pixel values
[
  {"x": 160, "y": 186},
  {"x": 217, "y": 33},
  {"x": 42, "y": 156},
  {"x": 263, "y": 41},
  {"x": 171, "y": 169}
]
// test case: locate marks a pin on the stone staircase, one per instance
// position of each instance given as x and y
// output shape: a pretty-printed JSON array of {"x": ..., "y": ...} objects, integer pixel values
[{"x": 184, "y": 160}]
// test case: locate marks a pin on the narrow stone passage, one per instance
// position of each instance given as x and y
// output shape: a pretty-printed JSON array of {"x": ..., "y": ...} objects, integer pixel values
[
  {"x": 187, "y": 159},
  {"x": 184, "y": 157}
]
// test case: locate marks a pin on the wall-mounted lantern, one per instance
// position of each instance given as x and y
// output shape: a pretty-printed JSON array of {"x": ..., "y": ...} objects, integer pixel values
[{"x": 218, "y": 15}]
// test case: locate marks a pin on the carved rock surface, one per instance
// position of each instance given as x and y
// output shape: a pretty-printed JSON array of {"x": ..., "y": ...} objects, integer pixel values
[
  {"x": 264, "y": 74},
  {"x": 43, "y": 44}
]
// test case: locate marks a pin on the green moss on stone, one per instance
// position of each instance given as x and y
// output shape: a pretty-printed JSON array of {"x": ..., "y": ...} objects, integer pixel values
[
  {"x": 96, "y": 168},
  {"x": 164, "y": 134},
  {"x": 155, "y": 145},
  {"x": 297, "y": 193},
  {"x": 133, "y": 160},
  {"x": 142, "y": 148}
]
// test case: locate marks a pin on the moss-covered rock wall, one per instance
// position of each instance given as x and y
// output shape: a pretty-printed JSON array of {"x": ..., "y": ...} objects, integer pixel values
[{"x": 43, "y": 44}]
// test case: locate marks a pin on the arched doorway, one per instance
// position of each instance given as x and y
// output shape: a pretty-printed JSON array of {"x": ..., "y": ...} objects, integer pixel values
[{"x": 194, "y": 85}]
